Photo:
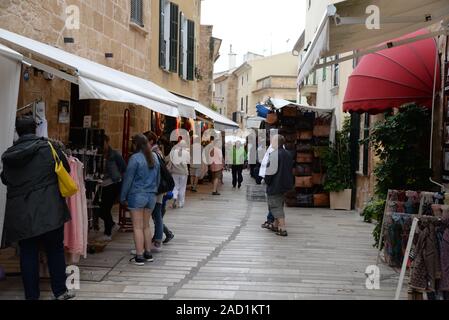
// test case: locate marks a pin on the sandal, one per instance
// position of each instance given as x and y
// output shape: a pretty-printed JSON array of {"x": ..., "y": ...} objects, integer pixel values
[
  {"x": 273, "y": 228},
  {"x": 266, "y": 225},
  {"x": 282, "y": 233}
]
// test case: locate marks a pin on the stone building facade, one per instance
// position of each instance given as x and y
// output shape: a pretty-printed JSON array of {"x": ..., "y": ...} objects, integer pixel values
[
  {"x": 209, "y": 54},
  {"x": 105, "y": 27}
]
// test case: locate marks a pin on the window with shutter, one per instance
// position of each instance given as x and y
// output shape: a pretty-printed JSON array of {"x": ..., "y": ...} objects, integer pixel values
[
  {"x": 162, "y": 43},
  {"x": 183, "y": 26},
  {"x": 190, "y": 50},
  {"x": 137, "y": 12},
  {"x": 174, "y": 25}
]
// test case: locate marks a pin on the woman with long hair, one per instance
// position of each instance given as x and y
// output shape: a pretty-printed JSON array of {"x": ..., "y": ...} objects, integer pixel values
[{"x": 139, "y": 192}]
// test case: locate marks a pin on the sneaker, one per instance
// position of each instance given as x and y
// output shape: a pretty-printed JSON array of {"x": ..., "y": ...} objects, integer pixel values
[
  {"x": 138, "y": 260},
  {"x": 148, "y": 257},
  {"x": 175, "y": 205},
  {"x": 115, "y": 228},
  {"x": 194, "y": 190},
  {"x": 216, "y": 194},
  {"x": 105, "y": 238},
  {"x": 157, "y": 247},
  {"x": 168, "y": 238},
  {"x": 282, "y": 233},
  {"x": 66, "y": 296}
]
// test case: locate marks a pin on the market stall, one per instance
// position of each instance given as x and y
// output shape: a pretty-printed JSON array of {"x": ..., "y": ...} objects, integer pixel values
[{"x": 307, "y": 131}]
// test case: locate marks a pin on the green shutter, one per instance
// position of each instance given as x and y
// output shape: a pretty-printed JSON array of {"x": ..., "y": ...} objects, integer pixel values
[
  {"x": 174, "y": 25},
  {"x": 190, "y": 50}
]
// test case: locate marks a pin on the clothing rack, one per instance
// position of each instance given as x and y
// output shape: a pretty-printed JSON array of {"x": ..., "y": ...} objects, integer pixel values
[{"x": 416, "y": 219}]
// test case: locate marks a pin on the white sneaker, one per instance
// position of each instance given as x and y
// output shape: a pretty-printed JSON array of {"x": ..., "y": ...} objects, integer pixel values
[
  {"x": 115, "y": 228},
  {"x": 133, "y": 252},
  {"x": 105, "y": 238}
]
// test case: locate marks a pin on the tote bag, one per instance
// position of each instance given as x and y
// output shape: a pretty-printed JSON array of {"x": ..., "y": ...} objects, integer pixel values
[{"x": 67, "y": 186}]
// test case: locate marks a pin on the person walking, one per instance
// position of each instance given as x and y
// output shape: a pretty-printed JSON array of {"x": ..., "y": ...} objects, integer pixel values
[
  {"x": 217, "y": 166},
  {"x": 279, "y": 180},
  {"x": 178, "y": 165},
  {"x": 195, "y": 164},
  {"x": 115, "y": 167},
  {"x": 238, "y": 160},
  {"x": 35, "y": 210},
  {"x": 139, "y": 190}
]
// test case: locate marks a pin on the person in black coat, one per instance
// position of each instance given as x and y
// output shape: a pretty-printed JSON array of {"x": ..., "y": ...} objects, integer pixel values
[
  {"x": 35, "y": 210},
  {"x": 279, "y": 179}
]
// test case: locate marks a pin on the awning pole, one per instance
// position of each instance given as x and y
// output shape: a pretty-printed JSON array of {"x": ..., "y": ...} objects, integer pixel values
[{"x": 433, "y": 106}]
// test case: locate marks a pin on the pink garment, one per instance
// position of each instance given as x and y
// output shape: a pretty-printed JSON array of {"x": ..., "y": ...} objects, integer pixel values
[
  {"x": 75, "y": 231},
  {"x": 217, "y": 160}
]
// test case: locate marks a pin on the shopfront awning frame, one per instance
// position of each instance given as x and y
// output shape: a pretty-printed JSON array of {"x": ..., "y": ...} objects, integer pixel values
[
  {"x": 333, "y": 27},
  {"x": 98, "y": 81}
]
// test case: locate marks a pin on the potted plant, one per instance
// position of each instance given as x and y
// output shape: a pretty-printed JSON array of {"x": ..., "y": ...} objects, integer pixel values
[{"x": 338, "y": 163}]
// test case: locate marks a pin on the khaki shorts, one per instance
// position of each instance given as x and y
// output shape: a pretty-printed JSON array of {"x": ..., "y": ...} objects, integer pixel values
[
  {"x": 276, "y": 205},
  {"x": 217, "y": 175}
]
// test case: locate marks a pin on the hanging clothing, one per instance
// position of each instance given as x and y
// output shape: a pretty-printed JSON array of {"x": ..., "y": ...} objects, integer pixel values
[
  {"x": 75, "y": 231},
  {"x": 426, "y": 268}
]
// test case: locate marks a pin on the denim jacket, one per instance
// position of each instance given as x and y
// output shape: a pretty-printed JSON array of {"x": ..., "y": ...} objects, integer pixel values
[
  {"x": 115, "y": 166},
  {"x": 139, "y": 178}
]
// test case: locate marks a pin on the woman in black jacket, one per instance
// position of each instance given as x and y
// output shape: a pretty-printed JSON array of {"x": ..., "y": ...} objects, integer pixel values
[{"x": 35, "y": 210}]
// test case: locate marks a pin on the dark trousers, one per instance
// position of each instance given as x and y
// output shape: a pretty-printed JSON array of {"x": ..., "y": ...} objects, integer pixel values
[
  {"x": 53, "y": 243},
  {"x": 237, "y": 175},
  {"x": 109, "y": 195},
  {"x": 167, "y": 231}
]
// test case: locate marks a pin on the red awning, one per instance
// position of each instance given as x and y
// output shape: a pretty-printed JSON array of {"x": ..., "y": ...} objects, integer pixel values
[{"x": 393, "y": 77}]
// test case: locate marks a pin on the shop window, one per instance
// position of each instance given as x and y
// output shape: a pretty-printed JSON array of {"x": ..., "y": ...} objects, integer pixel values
[
  {"x": 364, "y": 147},
  {"x": 162, "y": 34},
  {"x": 241, "y": 104},
  {"x": 174, "y": 18},
  {"x": 246, "y": 104},
  {"x": 137, "y": 12},
  {"x": 190, "y": 50}
]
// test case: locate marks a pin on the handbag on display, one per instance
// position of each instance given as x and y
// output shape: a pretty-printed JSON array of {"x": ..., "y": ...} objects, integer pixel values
[
  {"x": 304, "y": 200},
  {"x": 67, "y": 186},
  {"x": 305, "y": 135},
  {"x": 303, "y": 170},
  {"x": 304, "y": 157},
  {"x": 304, "y": 182},
  {"x": 289, "y": 112},
  {"x": 321, "y": 130},
  {"x": 321, "y": 200},
  {"x": 304, "y": 147},
  {"x": 289, "y": 122},
  {"x": 317, "y": 178},
  {"x": 290, "y": 137},
  {"x": 305, "y": 121},
  {"x": 272, "y": 118}
]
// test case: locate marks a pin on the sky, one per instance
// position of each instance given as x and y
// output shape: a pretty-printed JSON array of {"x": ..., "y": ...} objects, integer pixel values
[{"x": 262, "y": 26}]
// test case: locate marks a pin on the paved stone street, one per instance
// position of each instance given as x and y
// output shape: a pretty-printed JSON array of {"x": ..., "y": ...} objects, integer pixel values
[{"x": 221, "y": 252}]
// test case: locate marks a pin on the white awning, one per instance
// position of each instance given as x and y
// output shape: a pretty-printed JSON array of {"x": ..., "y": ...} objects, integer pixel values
[
  {"x": 344, "y": 27},
  {"x": 220, "y": 121},
  {"x": 281, "y": 103},
  {"x": 97, "y": 81},
  {"x": 10, "y": 70}
]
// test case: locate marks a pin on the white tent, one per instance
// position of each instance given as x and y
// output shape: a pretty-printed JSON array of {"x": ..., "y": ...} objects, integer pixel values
[
  {"x": 10, "y": 68},
  {"x": 97, "y": 81},
  {"x": 344, "y": 28}
]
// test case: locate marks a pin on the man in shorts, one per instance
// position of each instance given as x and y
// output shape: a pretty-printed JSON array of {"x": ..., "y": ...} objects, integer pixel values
[{"x": 279, "y": 180}]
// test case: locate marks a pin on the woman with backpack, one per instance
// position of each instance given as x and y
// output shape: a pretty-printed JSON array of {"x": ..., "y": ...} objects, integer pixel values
[{"x": 139, "y": 192}]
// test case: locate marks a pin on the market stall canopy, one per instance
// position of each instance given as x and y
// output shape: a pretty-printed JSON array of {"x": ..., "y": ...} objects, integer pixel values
[
  {"x": 344, "y": 28},
  {"x": 391, "y": 78},
  {"x": 220, "y": 122},
  {"x": 97, "y": 81},
  {"x": 254, "y": 122},
  {"x": 281, "y": 103}
]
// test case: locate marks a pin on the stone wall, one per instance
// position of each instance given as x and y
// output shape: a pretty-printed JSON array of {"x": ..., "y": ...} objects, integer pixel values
[
  {"x": 206, "y": 66},
  {"x": 104, "y": 28}
]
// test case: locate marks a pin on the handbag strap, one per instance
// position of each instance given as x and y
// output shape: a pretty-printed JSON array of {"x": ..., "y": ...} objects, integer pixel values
[{"x": 55, "y": 154}]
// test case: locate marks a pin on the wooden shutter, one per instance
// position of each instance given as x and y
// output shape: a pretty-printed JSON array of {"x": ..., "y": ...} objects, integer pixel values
[
  {"x": 174, "y": 25},
  {"x": 162, "y": 44},
  {"x": 190, "y": 50},
  {"x": 182, "y": 45}
]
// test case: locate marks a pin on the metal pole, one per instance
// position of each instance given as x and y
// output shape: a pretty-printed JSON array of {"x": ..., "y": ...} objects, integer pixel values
[{"x": 406, "y": 257}]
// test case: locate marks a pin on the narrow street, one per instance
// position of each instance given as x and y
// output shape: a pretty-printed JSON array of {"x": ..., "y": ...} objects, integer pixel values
[{"x": 221, "y": 252}]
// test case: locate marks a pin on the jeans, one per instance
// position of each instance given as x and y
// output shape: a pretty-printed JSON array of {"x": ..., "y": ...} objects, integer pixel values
[
  {"x": 109, "y": 196},
  {"x": 167, "y": 231},
  {"x": 53, "y": 243},
  {"x": 237, "y": 175},
  {"x": 158, "y": 222},
  {"x": 270, "y": 217}
]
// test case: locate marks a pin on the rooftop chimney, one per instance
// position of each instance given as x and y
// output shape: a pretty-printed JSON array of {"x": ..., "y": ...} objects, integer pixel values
[{"x": 232, "y": 59}]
